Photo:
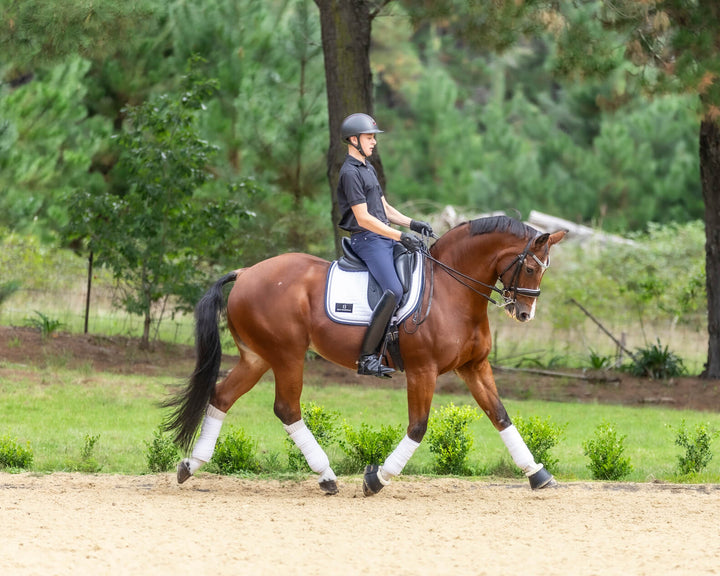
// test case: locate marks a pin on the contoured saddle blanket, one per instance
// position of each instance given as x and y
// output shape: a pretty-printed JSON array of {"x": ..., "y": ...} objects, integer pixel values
[{"x": 346, "y": 295}]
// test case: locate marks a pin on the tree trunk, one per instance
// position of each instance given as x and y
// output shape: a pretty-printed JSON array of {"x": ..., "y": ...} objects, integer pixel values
[
  {"x": 145, "y": 340},
  {"x": 345, "y": 27},
  {"x": 710, "y": 178}
]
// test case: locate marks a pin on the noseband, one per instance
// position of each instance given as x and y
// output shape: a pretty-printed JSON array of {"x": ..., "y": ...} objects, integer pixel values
[{"x": 508, "y": 293}]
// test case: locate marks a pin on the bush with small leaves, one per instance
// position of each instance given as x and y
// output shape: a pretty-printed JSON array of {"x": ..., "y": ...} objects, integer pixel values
[
  {"x": 605, "y": 451},
  {"x": 162, "y": 454},
  {"x": 540, "y": 437},
  {"x": 368, "y": 446},
  {"x": 449, "y": 438},
  {"x": 235, "y": 452},
  {"x": 697, "y": 448},
  {"x": 321, "y": 423},
  {"x": 88, "y": 462},
  {"x": 13, "y": 455}
]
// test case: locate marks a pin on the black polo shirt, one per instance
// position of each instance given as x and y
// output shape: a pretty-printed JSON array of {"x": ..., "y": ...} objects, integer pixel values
[{"x": 358, "y": 184}]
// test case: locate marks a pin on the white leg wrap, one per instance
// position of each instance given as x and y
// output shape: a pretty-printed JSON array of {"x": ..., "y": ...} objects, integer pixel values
[
  {"x": 395, "y": 463},
  {"x": 519, "y": 450},
  {"x": 313, "y": 452},
  {"x": 209, "y": 432}
]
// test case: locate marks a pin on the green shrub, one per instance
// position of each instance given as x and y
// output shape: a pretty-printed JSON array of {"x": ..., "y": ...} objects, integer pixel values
[
  {"x": 321, "y": 423},
  {"x": 162, "y": 454},
  {"x": 605, "y": 451},
  {"x": 88, "y": 462},
  {"x": 540, "y": 437},
  {"x": 368, "y": 446},
  {"x": 449, "y": 438},
  {"x": 656, "y": 362},
  {"x": 235, "y": 452},
  {"x": 599, "y": 362},
  {"x": 697, "y": 448},
  {"x": 44, "y": 324},
  {"x": 13, "y": 455}
]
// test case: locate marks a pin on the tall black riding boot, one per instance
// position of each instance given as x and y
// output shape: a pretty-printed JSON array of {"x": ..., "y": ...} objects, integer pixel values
[{"x": 370, "y": 363}]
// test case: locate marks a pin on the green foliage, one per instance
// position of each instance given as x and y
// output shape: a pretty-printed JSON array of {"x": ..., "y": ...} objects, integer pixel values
[
  {"x": 88, "y": 462},
  {"x": 449, "y": 438},
  {"x": 149, "y": 233},
  {"x": 368, "y": 445},
  {"x": 657, "y": 278},
  {"x": 47, "y": 149},
  {"x": 599, "y": 361},
  {"x": 656, "y": 362},
  {"x": 605, "y": 451},
  {"x": 13, "y": 455},
  {"x": 322, "y": 423},
  {"x": 235, "y": 452},
  {"x": 162, "y": 454},
  {"x": 7, "y": 289},
  {"x": 47, "y": 326},
  {"x": 540, "y": 437},
  {"x": 697, "y": 448},
  {"x": 268, "y": 61}
]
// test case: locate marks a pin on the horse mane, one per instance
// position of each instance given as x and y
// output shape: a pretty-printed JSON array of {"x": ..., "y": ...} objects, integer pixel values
[{"x": 501, "y": 224}]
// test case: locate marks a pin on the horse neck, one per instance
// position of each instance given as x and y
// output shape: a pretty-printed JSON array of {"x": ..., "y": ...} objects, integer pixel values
[{"x": 475, "y": 256}]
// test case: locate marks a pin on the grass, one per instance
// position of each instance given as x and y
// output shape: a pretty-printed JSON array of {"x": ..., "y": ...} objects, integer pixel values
[{"x": 57, "y": 410}]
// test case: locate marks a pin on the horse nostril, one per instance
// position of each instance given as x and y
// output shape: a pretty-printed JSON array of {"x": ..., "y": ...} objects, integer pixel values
[{"x": 524, "y": 316}]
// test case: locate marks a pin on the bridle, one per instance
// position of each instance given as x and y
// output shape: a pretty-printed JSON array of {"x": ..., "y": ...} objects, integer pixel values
[
  {"x": 514, "y": 288},
  {"x": 509, "y": 292}
]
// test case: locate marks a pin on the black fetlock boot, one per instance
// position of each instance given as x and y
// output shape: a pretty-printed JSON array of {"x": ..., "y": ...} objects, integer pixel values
[{"x": 370, "y": 363}]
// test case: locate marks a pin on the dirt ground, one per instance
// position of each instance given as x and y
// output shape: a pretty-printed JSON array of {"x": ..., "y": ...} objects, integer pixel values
[
  {"x": 73, "y": 524},
  {"x": 78, "y": 524}
]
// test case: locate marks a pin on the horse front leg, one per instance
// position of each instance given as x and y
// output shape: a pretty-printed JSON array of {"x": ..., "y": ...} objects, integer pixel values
[
  {"x": 420, "y": 389},
  {"x": 480, "y": 381}
]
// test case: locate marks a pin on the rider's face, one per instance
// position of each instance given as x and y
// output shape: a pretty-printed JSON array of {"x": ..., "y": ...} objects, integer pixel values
[{"x": 367, "y": 143}]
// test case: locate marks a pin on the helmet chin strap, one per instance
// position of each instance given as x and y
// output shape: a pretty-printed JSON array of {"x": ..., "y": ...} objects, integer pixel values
[{"x": 359, "y": 148}]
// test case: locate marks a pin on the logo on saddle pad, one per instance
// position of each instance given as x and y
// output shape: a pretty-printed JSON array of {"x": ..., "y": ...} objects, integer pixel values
[{"x": 351, "y": 293}]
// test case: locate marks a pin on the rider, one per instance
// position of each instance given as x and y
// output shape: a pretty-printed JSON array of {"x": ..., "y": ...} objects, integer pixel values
[{"x": 366, "y": 214}]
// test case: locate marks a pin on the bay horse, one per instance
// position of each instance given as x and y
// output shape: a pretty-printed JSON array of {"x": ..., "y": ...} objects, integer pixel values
[{"x": 275, "y": 313}]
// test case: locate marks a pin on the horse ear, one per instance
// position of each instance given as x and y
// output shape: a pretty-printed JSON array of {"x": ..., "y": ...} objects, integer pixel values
[
  {"x": 549, "y": 239},
  {"x": 541, "y": 240},
  {"x": 557, "y": 236}
]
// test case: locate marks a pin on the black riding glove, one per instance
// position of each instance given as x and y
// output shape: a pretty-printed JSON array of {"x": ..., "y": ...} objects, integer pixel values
[
  {"x": 421, "y": 227},
  {"x": 411, "y": 242}
]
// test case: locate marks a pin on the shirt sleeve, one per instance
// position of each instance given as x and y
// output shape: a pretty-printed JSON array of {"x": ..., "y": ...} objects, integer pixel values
[{"x": 352, "y": 185}]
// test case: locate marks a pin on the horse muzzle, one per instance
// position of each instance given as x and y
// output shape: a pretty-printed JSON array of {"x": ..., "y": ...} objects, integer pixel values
[{"x": 520, "y": 311}]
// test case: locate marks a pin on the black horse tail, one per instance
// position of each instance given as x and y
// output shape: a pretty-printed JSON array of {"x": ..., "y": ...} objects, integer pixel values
[{"x": 190, "y": 403}]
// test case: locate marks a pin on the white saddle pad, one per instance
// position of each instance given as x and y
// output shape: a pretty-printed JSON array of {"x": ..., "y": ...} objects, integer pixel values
[{"x": 346, "y": 295}]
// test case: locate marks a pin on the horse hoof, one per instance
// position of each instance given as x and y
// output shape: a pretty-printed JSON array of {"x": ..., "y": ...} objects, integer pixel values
[
  {"x": 329, "y": 487},
  {"x": 371, "y": 482},
  {"x": 183, "y": 471},
  {"x": 542, "y": 479}
]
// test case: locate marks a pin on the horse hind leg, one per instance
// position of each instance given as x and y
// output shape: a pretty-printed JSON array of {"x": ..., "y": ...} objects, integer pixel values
[{"x": 240, "y": 380}]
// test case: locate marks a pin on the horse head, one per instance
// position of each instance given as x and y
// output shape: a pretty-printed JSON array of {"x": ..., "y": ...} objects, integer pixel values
[{"x": 522, "y": 273}]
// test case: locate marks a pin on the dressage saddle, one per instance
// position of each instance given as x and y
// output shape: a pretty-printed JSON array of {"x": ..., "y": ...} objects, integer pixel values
[{"x": 404, "y": 265}]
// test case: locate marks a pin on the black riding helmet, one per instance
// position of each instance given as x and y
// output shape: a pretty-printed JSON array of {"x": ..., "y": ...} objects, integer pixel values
[{"x": 357, "y": 124}]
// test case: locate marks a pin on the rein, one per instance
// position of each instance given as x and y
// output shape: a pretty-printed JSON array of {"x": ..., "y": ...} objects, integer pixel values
[{"x": 509, "y": 295}]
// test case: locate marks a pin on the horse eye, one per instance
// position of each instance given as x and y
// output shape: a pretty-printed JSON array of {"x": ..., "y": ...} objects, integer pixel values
[{"x": 529, "y": 270}]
